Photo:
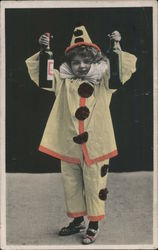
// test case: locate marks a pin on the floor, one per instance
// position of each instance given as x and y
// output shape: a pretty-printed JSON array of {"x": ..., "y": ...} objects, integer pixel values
[{"x": 36, "y": 210}]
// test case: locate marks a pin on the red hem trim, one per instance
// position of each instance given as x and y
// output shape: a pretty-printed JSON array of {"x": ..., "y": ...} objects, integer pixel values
[
  {"x": 74, "y": 215},
  {"x": 59, "y": 156},
  {"x": 96, "y": 218},
  {"x": 80, "y": 44},
  {"x": 98, "y": 159}
]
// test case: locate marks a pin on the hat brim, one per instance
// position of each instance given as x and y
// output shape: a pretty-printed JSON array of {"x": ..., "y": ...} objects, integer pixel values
[{"x": 80, "y": 44}]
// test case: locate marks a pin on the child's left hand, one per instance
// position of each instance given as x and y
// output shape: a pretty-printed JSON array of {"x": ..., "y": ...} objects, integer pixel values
[{"x": 115, "y": 36}]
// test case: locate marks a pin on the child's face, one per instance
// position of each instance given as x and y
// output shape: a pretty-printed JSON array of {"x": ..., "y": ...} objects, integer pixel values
[{"x": 80, "y": 66}]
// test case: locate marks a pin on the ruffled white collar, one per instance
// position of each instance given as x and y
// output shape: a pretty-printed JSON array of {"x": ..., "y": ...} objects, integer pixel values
[{"x": 94, "y": 75}]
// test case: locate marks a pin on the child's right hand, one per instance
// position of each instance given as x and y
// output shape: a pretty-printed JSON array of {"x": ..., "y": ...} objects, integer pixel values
[{"x": 43, "y": 40}]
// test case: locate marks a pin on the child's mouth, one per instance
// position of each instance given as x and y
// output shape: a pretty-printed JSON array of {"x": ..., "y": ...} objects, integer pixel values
[{"x": 83, "y": 72}]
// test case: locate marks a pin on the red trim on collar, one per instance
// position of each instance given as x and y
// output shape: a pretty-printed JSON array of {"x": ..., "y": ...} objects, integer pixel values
[{"x": 80, "y": 44}]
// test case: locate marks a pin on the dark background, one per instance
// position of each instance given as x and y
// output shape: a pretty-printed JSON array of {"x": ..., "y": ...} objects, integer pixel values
[{"x": 28, "y": 107}]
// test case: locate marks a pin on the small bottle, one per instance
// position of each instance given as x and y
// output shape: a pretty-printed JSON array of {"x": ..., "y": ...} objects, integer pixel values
[{"x": 46, "y": 66}]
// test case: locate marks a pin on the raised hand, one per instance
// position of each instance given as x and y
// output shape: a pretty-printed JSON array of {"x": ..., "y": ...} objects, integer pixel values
[
  {"x": 115, "y": 36},
  {"x": 44, "y": 40}
]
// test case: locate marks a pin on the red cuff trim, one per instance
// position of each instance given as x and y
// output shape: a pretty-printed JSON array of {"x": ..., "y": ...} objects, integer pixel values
[
  {"x": 59, "y": 156},
  {"x": 80, "y": 44},
  {"x": 96, "y": 218},
  {"x": 75, "y": 215}
]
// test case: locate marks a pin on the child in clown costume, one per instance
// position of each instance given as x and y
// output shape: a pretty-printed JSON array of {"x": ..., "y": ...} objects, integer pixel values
[{"x": 79, "y": 129}]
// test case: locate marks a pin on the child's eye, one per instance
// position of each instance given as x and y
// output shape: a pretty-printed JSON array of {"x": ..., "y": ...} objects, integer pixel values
[{"x": 75, "y": 62}]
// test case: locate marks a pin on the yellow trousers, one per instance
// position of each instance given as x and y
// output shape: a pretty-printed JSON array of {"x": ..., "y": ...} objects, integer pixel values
[{"x": 85, "y": 189}]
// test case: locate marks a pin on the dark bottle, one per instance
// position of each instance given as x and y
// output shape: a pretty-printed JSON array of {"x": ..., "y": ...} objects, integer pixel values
[
  {"x": 114, "y": 81},
  {"x": 46, "y": 66}
]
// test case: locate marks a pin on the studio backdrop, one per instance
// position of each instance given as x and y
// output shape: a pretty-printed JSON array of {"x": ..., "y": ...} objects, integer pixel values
[{"x": 28, "y": 107}]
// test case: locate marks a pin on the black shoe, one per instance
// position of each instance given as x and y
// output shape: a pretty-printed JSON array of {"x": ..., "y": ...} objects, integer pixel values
[{"x": 72, "y": 228}]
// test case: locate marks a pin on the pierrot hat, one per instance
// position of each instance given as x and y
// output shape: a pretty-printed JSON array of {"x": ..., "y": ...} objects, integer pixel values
[{"x": 80, "y": 37}]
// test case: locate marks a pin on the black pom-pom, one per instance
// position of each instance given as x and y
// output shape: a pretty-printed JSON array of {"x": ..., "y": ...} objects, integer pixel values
[
  {"x": 104, "y": 170},
  {"x": 80, "y": 139},
  {"x": 103, "y": 194},
  {"x": 78, "y": 32},
  {"x": 85, "y": 90},
  {"x": 82, "y": 113},
  {"x": 78, "y": 40}
]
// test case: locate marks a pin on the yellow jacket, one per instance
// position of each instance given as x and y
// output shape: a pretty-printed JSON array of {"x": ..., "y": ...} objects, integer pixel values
[{"x": 63, "y": 126}]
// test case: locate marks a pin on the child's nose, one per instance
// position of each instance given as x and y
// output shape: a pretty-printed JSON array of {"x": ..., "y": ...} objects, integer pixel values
[{"x": 82, "y": 64}]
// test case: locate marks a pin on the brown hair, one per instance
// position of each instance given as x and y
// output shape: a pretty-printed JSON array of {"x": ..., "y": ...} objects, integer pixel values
[{"x": 85, "y": 51}]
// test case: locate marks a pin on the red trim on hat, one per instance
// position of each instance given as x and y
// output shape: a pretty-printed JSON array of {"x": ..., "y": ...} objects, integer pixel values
[
  {"x": 74, "y": 215},
  {"x": 80, "y": 44},
  {"x": 59, "y": 156},
  {"x": 96, "y": 218}
]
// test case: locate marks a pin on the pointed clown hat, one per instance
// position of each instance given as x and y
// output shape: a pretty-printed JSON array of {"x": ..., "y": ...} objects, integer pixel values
[{"x": 80, "y": 37}]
